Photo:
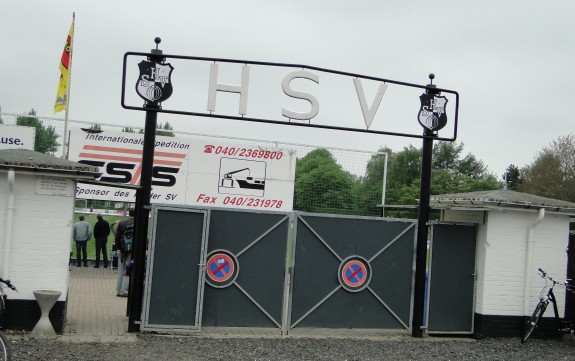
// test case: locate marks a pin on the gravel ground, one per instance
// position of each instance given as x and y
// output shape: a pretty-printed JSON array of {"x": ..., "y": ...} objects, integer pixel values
[{"x": 163, "y": 348}]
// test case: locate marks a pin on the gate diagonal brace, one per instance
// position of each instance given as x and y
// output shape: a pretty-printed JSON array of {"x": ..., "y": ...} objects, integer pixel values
[
  {"x": 257, "y": 304},
  {"x": 321, "y": 239},
  {"x": 316, "y": 306},
  {"x": 392, "y": 242},
  {"x": 262, "y": 236},
  {"x": 387, "y": 307}
]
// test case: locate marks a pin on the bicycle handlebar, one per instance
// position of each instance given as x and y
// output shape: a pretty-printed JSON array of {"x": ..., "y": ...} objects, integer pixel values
[
  {"x": 565, "y": 284},
  {"x": 9, "y": 284}
]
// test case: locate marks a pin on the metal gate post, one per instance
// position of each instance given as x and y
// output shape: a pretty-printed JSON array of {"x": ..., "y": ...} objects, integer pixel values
[
  {"x": 141, "y": 224},
  {"x": 143, "y": 209},
  {"x": 422, "y": 231}
]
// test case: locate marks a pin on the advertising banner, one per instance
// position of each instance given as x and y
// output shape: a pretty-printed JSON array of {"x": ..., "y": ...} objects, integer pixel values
[
  {"x": 190, "y": 172},
  {"x": 16, "y": 137}
]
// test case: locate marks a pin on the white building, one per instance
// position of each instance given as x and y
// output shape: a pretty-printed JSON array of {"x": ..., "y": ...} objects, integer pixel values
[
  {"x": 37, "y": 194},
  {"x": 517, "y": 233}
]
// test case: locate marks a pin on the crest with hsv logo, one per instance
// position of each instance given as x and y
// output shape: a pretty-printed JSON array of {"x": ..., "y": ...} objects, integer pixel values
[
  {"x": 432, "y": 111},
  {"x": 154, "y": 83}
]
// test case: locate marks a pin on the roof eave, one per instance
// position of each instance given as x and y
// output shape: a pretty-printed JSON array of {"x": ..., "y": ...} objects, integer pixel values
[
  {"x": 68, "y": 172},
  {"x": 493, "y": 204}
]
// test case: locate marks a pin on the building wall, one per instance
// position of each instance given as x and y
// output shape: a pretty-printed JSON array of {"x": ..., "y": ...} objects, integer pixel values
[
  {"x": 500, "y": 265},
  {"x": 501, "y": 278},
  {"x": 39, "y": 254}
]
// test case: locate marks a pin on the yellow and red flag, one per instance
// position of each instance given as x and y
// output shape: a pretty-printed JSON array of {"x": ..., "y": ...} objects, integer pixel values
[{"x": 62, "y": 93}]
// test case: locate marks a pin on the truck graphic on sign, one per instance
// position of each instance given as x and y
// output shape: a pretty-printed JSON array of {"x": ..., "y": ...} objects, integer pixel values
[{"x": 242, "y": 177}]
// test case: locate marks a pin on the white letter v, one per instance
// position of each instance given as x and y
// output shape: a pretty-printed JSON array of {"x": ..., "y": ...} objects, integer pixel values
[{"x": 369, "y": 114}]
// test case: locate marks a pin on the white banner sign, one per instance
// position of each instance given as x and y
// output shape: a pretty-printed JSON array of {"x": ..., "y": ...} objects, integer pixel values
[
  {"x": 191, "y": 172},
  {"x": 16, "y": 137}
]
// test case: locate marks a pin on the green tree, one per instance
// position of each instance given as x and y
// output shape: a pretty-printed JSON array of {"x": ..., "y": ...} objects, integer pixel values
[
  {"x": 444, "y": 181},
  {"x": 453, "y": 174},
  {"x": 369, "y": 189},
  {"x": 405, "y": 195},
  {"x": 403, "y": 176},
  {"x": 162, "y": 130},
  {"x": 450, "y": 174},
  {"x": 1, "y": 121},
  {"x": 166, "y": 130},
  {"x": 543, "y": 177},
  {"x": 321, "y": 185},
  {"x": 564, "y": 149},
  {"x": 447, "y": 155},
  {"x": 472, "y": 167},
  {"x": 45, "y": 135},
  {"x": 552, "y": 173},
  {"x": 128, "y": 130},
  {"x": 95, "y": 128},
  {"x": 404, "y": 167},
  {"x": 512, "y": 177}
]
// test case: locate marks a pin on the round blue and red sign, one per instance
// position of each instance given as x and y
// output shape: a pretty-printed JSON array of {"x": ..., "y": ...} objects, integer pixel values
[
  {"x": 354, "y": 273},
  {"x": 221, "y": 269}
]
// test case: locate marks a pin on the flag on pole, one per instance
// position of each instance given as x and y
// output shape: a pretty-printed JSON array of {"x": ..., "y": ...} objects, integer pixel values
[{"x": 66, "y": 61}]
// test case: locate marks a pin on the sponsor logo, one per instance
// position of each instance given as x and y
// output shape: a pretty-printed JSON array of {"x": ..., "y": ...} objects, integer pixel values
[{"x": 124, "y": 165}]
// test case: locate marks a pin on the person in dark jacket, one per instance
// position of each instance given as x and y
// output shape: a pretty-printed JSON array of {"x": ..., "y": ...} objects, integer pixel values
[
  {"x": 123, "y": 282},
  {"x": 101, "y": 232}
]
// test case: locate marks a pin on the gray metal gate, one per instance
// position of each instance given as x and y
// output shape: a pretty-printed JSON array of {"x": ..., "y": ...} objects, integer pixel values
[
  {"x": 450, "y": 304},
  {"x": 352, "y": 273},
  {"x": 248, "y": 251},
  {"x": 228, "y": 268},
  {"x": 174, "y": 282},
  {"x": 214, "y": 267}
]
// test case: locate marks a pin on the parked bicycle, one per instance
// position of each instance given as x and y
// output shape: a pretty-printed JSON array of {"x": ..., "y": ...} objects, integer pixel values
[
  {"x": 5, "y": 350},
  {"x": 564, "y": 326}
]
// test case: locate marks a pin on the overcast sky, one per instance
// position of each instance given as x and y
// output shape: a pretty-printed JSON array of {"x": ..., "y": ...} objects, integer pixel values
[{"x": 512, "y": 62}]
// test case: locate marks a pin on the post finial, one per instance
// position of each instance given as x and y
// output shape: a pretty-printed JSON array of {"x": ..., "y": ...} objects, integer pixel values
[
  {"x": 157, "y": 51},
  {"x": 431, "y": 87}
]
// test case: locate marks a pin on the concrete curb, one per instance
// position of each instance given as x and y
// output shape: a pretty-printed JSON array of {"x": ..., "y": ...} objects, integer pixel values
[{"x": 97, "y": 339}]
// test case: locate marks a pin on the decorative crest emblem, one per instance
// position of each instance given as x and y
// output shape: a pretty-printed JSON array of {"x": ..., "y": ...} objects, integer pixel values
[
  {"x": 432, "y": 111},
  {"x": 154, "y": 83}
]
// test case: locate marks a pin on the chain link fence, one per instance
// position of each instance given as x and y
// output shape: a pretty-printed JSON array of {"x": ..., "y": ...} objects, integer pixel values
[{"x": 323, "y": 195}]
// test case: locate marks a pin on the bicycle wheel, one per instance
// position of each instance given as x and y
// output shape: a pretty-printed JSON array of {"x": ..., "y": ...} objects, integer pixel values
[
  {"x": 532, "y": 323},
  {"x": 5, "y": 350}
]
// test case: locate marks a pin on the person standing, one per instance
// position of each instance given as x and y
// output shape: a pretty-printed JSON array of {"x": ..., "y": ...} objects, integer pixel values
[
  {"x": 101, "y": 232},
  {"x": 81, "y": 234},
  {"x": 124, "y": 227}
]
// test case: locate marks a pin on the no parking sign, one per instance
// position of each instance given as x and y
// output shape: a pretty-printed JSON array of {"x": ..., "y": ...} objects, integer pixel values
[
  {"x": 221, "y": 269},
  {"x": 354, "y": 274}
]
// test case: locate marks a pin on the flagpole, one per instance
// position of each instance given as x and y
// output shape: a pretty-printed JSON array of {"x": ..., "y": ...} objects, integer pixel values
[{"x": 65, "y": 138}]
